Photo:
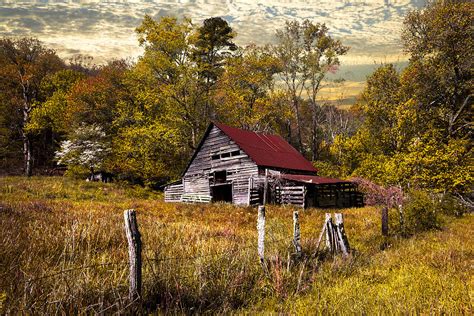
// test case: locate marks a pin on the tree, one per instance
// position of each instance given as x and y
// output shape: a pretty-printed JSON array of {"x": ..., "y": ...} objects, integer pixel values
[
  {"x": 168, "y": 77},
  {"x": 440, "y": 41},
  {"x": 24, "y": 63},
  {"x": 244, "y": 93},
  {"x": 321, "y": 55},
  {"x": 93, "y": 99},
  {"x": 417, "y": 124},
  {"x": 212, "y": 47},
  {"x": 307, "y": 53},
  {"x": 88, "y": 146},
  {"x": 51, "y": 114}
]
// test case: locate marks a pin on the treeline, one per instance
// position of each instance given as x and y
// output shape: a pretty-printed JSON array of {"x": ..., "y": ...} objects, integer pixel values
[{"x": 141, "y": 120}]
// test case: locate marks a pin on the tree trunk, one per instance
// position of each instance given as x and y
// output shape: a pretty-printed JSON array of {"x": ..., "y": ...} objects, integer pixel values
[
  {"x": 27, "y": 156},
  {"x": 314, "y": 134},
  {"x": 298, "y": 125}
]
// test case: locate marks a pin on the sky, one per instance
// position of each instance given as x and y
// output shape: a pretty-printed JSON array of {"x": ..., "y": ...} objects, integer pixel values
[{"x": 105, "y": 29}]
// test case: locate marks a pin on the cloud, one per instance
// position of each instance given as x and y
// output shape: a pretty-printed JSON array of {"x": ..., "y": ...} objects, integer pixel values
[{"x": 105, "y": 29}]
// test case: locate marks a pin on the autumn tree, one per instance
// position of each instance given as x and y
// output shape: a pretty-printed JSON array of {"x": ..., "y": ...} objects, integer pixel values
[{"x": 24, "y": 63}]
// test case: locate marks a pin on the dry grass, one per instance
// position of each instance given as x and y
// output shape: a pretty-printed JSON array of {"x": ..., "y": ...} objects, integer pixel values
[{"x": 202, "y": 258}]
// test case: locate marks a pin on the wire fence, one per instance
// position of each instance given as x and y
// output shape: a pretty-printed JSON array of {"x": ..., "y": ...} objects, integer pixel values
[
  {"x": 278, "y": 238},
  {"x": 271, "y": 241}
]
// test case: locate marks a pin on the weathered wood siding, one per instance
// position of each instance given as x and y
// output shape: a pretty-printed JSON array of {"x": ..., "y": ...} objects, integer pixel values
[
  {"x": 239, "y": 167},
  {"x": 173, "y": 192}
]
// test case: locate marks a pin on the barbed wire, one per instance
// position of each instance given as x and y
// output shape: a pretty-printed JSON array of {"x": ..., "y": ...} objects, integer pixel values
[
  {"x": 76, "y": 269},
  {"x": 179, "y": 258}
]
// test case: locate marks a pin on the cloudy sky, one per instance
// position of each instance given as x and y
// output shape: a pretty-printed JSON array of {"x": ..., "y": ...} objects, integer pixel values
[{"x": 105, "y": 29}]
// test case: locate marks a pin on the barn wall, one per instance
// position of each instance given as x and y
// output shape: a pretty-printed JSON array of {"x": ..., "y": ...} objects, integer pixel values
[
  {"x": 173, "y": 192},
  {"x": 239, "y": 167}
]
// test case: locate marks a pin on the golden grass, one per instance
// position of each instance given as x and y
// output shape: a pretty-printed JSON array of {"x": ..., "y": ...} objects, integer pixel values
[{"x": 202, "y": 258}]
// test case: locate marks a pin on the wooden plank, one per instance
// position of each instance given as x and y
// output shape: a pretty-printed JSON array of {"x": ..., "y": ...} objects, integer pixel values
[{"x": 341, "y": 234}]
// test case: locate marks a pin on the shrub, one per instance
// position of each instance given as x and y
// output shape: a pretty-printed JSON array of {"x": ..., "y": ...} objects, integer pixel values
[{"x": 420, "y": 213}]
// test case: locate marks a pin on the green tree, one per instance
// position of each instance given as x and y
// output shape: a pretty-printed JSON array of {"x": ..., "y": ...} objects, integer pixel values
[
  {"x": 168, "y": 77},
  {"x": 211, "y": 49},
  {"x": 321, "y": 56},
  {"x": 440, "y": 40},
  {"x": 245, "y": 92},
  {"x": 418, "y": 123}
]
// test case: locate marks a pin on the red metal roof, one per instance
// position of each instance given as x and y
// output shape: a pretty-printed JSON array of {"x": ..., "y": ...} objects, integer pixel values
[
  {"x": 312, "y": 179},
  {"x": 267, "y": 150}
]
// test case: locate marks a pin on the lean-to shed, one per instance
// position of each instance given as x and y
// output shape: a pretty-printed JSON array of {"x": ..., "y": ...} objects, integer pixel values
[{"x": 235, "y": 165}]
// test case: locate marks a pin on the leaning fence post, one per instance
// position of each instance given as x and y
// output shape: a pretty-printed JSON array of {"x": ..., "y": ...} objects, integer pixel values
[
  {"x": 323, "y": 230},
  {"x": 385, "y": 221},
  {"x": 261, "y": 232},
  {"x": 341, "y": 234},
  {"x": 329, "y": 232},
  {"x": 296, "y": 233},
  {"x": 134, "y": 253}
]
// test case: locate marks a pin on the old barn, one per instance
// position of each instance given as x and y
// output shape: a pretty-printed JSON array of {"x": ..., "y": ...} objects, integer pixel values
[{"x": 240, "y": 166}]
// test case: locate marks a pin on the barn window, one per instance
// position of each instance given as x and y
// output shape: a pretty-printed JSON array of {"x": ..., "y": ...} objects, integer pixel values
[{"x": 217, "y": 156}]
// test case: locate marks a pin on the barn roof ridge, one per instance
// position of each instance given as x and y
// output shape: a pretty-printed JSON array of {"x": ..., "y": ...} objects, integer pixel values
[{"x": 276, "y": 152}]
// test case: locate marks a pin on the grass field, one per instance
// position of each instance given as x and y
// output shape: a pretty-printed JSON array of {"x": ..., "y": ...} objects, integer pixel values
[{"x": 63, "y": 250}]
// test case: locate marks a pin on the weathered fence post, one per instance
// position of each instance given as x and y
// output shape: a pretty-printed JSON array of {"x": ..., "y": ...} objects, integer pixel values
[
  {"x": 329, "y": 233},
  {"x": 402, "y": 219},
  {"x": 341, "y": 234},
  {"x": 385, "y": 221},
  {"x": 134, "y": 253},
  {"x": 323, "y": 230},
  {"x": 261, "y": 232},
  {"x": 296, "y": 233}
]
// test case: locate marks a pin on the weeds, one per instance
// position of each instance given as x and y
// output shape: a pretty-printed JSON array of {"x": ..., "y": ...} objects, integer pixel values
[{"x": 63, "y": 250}]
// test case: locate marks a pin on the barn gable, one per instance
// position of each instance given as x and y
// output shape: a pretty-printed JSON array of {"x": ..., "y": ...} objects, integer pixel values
[{"x": 219, "y": 162}]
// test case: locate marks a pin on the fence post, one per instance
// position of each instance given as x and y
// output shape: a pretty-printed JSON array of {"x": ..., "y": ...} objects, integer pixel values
[
  {"x": 385, "y": 221},
  {"x": 134, "y": 253},
  {"x": 402, "y": 219},
  {"x": 261, "y": 232},
  {"x": 341, "y": 234},
  {"x": 296, "y": 233},
  {"x": 323, "y": 230}
]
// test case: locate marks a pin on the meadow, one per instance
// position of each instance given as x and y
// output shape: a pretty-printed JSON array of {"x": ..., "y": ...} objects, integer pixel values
[{"x": 63, "y": 250}]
